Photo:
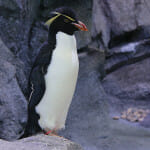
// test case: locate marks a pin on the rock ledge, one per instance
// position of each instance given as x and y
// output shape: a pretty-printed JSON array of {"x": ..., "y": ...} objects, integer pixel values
[{"x": 40, "y": 142}]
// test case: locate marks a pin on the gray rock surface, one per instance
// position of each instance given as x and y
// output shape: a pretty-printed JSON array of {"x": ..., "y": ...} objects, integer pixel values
[
  {"x": 13, "y": 105},
  {"x": 146, "y": 122},
  {"x": 127, "y": 136},
  {"x": 127, "y": 54},
  {"x": 13, "y": 5},
  {"x": 129, "y": 86},
  {"x": 118, "y": 21},
  {"x": 90, "y": 120},
  {"x": 40, "y": 142},
  {"x": 120, "y": 27},
  {"x": 87, "y": 122},
  {"x": 15, "y": 25}
]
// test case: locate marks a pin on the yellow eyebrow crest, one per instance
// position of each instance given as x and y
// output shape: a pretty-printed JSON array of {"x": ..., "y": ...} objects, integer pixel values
[
  {"x": 49, "y": 22},
  {"x": 64, "y": 16}
]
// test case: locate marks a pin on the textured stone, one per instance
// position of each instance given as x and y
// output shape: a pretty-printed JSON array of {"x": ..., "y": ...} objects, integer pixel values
[
  {"x": 16, "y": 21},
  {"x": 13, "y": 5},
  {"x": 128, "y": 87},
  {"x": 130, "y": 82},
  {"x": 146, "y": 121},
  {"x": 13, "y": 105},
  {"x": 120, "y": 27},
  {"x": 40, "y": 142},
  {"x": 127, "y": 54},
  {"x": 120, "y": 21}
]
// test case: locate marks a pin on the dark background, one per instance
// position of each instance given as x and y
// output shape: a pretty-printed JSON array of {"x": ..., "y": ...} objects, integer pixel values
[{"x": 114, "y": 69}]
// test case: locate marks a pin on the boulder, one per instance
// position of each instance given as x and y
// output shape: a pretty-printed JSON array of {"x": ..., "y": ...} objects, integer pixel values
[
  {"x": 129, "y": 86},
  {"x": 16, "y": 19},
  {"x": 13, "y": 105},
  {"x": 118, "y": 22},
  {"x": 14, "y": 5},
  {"x": 40, "y": 142},
  {"x": 127, "y": 54}
]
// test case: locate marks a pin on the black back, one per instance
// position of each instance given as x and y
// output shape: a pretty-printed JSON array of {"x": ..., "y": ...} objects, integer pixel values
[{"x": 37, "y": 85}]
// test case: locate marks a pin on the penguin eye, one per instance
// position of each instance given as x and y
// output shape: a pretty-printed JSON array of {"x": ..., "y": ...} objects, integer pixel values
[{"x": 66, "y": 20}]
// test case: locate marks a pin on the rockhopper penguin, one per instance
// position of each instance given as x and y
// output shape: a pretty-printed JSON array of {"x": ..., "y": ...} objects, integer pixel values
[{"x": 54, "y": 74}]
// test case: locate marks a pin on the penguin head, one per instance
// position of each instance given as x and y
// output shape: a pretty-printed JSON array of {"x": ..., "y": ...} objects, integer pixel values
[{"x": 63, "y": 19}]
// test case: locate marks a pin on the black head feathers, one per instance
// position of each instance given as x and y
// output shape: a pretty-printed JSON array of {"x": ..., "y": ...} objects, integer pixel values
[
  {"x": 64, "y": 19},
  {"x": 66, "y": 11}
]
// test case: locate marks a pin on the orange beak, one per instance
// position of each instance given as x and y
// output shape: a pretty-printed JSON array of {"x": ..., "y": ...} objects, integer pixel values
[{"x": 80, "y": 25}]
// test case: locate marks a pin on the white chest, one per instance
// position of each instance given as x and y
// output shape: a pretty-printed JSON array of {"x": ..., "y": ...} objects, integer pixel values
[
  {"x": 64, "y": 58},
  {"x": 60, "y": 82}
]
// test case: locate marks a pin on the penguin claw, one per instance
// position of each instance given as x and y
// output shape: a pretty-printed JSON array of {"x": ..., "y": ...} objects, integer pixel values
[
  {"x": 52, "y": 133},
  {"x": 49, "y": 132}
]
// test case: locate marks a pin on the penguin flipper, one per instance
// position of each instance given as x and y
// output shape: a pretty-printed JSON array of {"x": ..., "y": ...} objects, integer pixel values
[{"x": 37, "y": 89}]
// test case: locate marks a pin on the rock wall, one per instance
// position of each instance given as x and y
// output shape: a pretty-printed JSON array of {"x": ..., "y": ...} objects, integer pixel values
[
  {"x": 13, "y": 105},
  {"x": 118, "y": 22},
  {"x": 116, "y": 77}
]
